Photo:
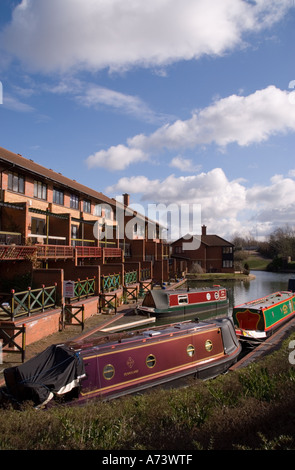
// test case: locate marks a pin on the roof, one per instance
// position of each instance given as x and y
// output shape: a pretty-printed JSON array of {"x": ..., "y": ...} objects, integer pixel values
[
  {"x": 33, "y": 167},
  {"x": 209, "y": 240},
  {"x": 30, "y": 166}
]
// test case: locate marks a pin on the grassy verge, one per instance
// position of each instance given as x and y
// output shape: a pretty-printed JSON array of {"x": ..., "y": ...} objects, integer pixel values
[
  {"x": 257, "y": 263},
  {"x": 218, "y": 276},
  {"x": 251, "y": 408}
]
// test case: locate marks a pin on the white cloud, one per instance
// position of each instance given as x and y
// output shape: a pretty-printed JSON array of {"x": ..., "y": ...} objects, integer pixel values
[
  {"x": 115, "y": 158},
  {"x": 90, "y": 95},
  {"x": 71, "y": 34},
  {"x": 14, "y": 104},
  {"x": 226, "y": 206},
  {"x": 243, "y": 120},
  {"x": 184, "y": 164},
  {"x": 212, "y": 190}
]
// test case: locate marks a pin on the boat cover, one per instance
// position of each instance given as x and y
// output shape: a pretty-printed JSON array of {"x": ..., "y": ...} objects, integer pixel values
[
  {"x": 159, "y": 298},
  {"x": 57, "y": 370}
]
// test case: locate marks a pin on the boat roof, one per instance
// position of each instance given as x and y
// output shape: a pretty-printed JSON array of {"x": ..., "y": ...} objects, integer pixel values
[
  {"x": 128, "y": 337},
  {"x": 267, "y": 301},
  {"x": 160, "y": 297}
]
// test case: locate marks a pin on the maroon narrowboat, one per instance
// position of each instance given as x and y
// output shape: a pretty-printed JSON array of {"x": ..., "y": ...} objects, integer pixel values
[
  {"x": 109, "y": 367},
  {"x": 165, "y": 303}
]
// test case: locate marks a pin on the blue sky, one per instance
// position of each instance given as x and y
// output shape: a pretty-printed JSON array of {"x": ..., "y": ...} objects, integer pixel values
[{"x": 186, "y": 102}]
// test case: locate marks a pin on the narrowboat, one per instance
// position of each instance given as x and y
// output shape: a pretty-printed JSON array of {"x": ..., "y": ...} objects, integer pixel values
[
  {"x": 258, "y": 319},
  {"x": 109, "y": 367},
  {"x": 165, "y": 303}
]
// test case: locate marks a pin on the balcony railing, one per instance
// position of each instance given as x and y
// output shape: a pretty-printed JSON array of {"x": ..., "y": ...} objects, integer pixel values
[
  {"x": 16, "y": 252},
  {"x": 19, "y": 252},
  {"x": 54, "y": 251}
]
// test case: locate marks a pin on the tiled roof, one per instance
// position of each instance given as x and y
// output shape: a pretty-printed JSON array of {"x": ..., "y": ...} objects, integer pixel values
[
  {"x": 209, "y": 240},
  {"x": 32, "y": 167}
]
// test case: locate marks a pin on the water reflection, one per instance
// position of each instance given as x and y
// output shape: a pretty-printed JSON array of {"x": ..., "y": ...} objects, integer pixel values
[{"x": 264, "y": 283}]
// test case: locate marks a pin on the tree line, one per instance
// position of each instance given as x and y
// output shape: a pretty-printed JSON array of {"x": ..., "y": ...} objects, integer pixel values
[{"x": 278, "y": 247}]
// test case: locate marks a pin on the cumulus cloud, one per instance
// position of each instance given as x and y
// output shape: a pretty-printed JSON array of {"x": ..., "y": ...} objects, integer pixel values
[
  {"x": 184, "y": 164},
  {"x": 115, "y": 158},
  {"x": 71, "y": 34},
  {"x": 243, "y": 120},
  {"x": 226, "y": 206},
  {"x": 212, "y": 190}
]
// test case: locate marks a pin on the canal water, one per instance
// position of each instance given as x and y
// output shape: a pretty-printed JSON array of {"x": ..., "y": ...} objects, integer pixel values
[
  {"x": 265, "y": 283},
  {"x": 239, "y": 292}
]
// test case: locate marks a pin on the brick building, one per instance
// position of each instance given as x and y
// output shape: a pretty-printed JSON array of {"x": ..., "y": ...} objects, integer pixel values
[
  {"x": 62, "y": 223},
  {"x": 213, "y": 253}
]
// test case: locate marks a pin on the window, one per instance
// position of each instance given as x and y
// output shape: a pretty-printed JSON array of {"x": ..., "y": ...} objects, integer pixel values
[
  {"x": 227, "y": 249},
  {"x": 97, "y": 210},
  {"x": 74, "y": 231},
  {"x": 150, "y": 361},
  {"x": 58, "y": 196},
  {"x": 227, "y": 263},
  {"x": 182, "y": 299},
  {"x": 87, "y": 206},
  {"x": 190, "y": 350},
  {"x": 108, "y": 371},
  {"x": 208, "y": 345},
  {"x": 16, "y": 183},
  {"x": 74, "y": 201},
  {"x": 108, "y": 213},
  {"x": 37, "y": 226},
  {"x": 40, "y": 190}
]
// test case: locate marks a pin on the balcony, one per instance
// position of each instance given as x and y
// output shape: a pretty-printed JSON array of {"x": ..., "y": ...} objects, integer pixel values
[{"x": 44, "y": 252}]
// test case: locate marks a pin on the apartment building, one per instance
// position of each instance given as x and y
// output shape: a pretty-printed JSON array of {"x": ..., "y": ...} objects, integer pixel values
[{"x": 45, "y": 214}]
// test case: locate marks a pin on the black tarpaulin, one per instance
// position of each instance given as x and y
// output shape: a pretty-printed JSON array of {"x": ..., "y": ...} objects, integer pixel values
[{"x": 55, "y": 371}]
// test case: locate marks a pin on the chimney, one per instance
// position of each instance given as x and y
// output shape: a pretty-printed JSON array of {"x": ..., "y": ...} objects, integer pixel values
[
  {"x": 126, "y": 199},
  {"x": 204, "y": 230}
]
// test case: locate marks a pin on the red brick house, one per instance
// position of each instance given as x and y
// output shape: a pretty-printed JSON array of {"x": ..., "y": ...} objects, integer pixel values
[{"x": 214, "y": 254}]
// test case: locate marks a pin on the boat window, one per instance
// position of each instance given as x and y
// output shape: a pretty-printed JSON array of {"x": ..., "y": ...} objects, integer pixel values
[
  {"x": 208, "y": 345},
  {"x": 190, "y": 350},
  {"x": 182, "y": 299},
  {"x": 108, "y": 371},
  {"x": 150, "y": 361}
]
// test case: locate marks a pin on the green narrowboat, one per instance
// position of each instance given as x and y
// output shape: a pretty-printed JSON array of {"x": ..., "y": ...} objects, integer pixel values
[{"x": 259, "y": 318}]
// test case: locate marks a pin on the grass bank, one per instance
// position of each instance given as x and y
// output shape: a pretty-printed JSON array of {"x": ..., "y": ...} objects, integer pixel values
[
  {"x": 219, "y": 277},
  {"x": 251, "y": 408}
]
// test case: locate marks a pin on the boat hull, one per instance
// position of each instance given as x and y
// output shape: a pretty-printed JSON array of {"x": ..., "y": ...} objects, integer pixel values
[
  {"x": 184, "y": 303},
  {"x": 202, "y": 350},
  {"x": 257, "y": 320},
  {"x": 129, "y": 362}
]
